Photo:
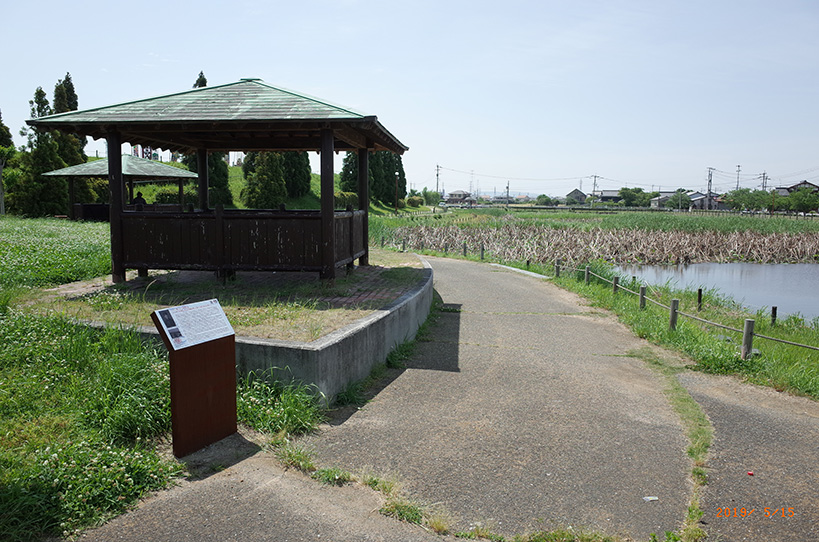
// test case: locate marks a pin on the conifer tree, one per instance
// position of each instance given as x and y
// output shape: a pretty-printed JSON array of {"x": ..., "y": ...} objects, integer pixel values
[
  {"x": 7, "y": 152},
  {"x": 265, "y": 188},
  {"x": 297, "y": 174},
  {"x": 70, "y": 147},
  {"x": 36, "y": 195},
  {"x": 5, "y": 134}
]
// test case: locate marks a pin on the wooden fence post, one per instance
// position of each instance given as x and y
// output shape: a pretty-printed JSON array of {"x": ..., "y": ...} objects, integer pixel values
[
  {"x": 404, "y": 244},
  {"x": 699, "y": 299},
  {"x": 481, "y": 251},
  {"x": 747, "y": 339},
  {"x": 446, "y": 248},
  {"x": 557, "y": 268},
  {"x": 464, "y": 249},
  {"x": 642, "y": 298},
  {"x": 614, "y": 284},
  {"x": 382, "y": 241},
  {"x": 588, "y": 273},
  {"x": 773, "y": 316},
  {"x": 675, "y": 305}
]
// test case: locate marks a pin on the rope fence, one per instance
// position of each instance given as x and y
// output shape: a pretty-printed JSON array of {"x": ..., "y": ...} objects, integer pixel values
[{"x": 747, "y": 333}]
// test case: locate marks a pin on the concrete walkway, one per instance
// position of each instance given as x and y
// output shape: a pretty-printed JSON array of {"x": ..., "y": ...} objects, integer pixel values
[{"x": 523, "y": 411}]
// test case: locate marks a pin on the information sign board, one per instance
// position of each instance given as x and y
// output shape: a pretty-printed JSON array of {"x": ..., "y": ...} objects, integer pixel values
[{"x": 195, "y": 323}]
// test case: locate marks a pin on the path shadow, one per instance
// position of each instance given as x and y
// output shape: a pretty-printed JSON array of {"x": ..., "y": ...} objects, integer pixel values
[
  {"x": 219, "y": 456},
  {"x": 435, "y": 349}
]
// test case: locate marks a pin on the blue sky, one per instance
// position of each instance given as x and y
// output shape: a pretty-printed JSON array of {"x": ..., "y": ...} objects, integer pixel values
[{"x": 542, "y": 94}]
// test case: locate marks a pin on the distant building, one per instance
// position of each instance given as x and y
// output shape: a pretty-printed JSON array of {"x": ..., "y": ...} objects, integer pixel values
[
  {"x": 700, "y": 201},
  {"x": 576, "y": 195},
  {"x": 658, "y": 202},
  {"x": 785, "y": 190},
  {"x": 458, "y": 197},
  {"x": 607, "y": 196}
]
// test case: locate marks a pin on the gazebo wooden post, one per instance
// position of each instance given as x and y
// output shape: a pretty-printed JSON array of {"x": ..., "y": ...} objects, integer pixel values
[
  {"x": 202, "y": 165},
  {"x": 182, "y": 194},
  {"x": 328, "y": 225},
  {"x": 116, "y": 186},
  {"x": 364, "y": 200}
]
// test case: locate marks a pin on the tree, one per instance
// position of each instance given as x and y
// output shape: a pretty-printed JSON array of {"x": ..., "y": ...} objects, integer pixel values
[
  {"x": 201, "y": 81},
  {"x": 679, "y": 200},
  {"x": 543, "y": 199},
  {"x": 70, "y": 147},
  {"x": 265, "y": 188},
  {"x": 431, "y": 197},
  {"x": 739, "y": 200},
  {"x": 383, "y": 167},
  {"x": 804, "y": 200},
  {"x": 348, "y": 178},
  {"x": 32, "y": 194},
  {"x": 5, "y": 134},
  {"x": 297, "y": 173},
  {"x": 635, "y": 197},
  {"x": 7, "y": 152}
]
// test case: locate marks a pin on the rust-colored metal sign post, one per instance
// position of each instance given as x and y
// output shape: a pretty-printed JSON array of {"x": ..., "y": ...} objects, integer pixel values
[{"x": 201, "y": 348}]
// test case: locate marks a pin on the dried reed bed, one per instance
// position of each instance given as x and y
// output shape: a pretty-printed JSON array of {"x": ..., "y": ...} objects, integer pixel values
[{"x": 575, "y": 246}]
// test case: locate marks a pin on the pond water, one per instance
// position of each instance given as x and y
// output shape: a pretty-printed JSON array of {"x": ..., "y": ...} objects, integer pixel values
[{"x": 792, "y": 288}]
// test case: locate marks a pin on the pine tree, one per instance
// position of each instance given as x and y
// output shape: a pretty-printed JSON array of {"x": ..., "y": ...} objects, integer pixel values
[
  {"x": 348, "y": 181},
  {"x": 70, "y": 147},
  {"x": 297, "y": 174},
  {"x": 265, "y": 188},
  {"x": 201, "y": 81},
  {"x": 5, "y": 134}
]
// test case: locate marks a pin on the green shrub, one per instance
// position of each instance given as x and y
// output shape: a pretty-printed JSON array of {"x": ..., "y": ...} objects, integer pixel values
[
  {"x": 415, "y": 201},
  {"x": 346, "y": 199},
  {"x": 170, "y": 195}
]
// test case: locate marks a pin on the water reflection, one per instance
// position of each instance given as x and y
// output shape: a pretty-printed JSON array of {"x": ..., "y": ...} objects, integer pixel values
[{"x": 790, "y": 287}]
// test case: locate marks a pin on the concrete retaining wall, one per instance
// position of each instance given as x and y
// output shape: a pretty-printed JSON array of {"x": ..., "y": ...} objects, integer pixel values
[{"x": 342, "y": 357}]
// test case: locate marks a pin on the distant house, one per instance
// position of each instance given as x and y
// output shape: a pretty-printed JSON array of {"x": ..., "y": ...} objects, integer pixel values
[
  {"x": 503, "y": 200},
  {"x": 457, "y": 197},
  {"x": 607, "y": 196},
  {"x": 658, "y": 202},
  {"x": 522, "y": 198},
  {"x": 700, "y": 201},
  {"x": 576, "y": 195},
  {"x": 785, "y": 190}
]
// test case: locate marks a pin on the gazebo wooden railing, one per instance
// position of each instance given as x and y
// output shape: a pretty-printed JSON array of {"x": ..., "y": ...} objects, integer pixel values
[{"x": 238, "y": 240}]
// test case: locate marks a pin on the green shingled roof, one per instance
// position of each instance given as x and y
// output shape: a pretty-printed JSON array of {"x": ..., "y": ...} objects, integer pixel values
[
  {"x": 132, "y": 167},
  {"x": 246, "y": 115}
]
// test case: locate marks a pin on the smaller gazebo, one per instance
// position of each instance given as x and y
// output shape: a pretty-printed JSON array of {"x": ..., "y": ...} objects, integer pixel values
[
  {"x": 248, "y": 115},
  {"x": 134, "y": 169}
]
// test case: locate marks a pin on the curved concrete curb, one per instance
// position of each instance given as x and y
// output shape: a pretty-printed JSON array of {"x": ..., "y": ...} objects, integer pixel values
[{"x": 346, "y": 355}]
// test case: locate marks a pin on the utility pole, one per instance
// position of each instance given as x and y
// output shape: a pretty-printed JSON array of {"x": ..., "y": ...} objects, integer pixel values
[
  {"x": 594, "y": 189},
  {"x": 437, "y": 173},
  {"x": 738, "y": 166},
  {"x": 708, "y": 192},
  {"x": 507, "y": 195},
  {"x": 765, "y": 181}
]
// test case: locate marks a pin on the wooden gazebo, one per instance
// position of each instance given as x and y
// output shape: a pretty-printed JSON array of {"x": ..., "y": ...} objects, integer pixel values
[{"x": 248, "y": 115}]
